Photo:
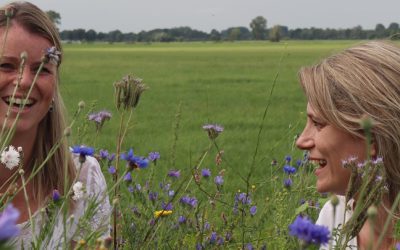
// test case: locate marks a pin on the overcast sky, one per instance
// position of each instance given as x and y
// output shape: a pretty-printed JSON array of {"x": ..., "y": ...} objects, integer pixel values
[{"x": 205, "y": 15}]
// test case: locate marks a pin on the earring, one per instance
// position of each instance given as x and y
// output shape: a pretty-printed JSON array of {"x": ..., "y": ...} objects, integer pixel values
[{"x": 51, "y": 108}]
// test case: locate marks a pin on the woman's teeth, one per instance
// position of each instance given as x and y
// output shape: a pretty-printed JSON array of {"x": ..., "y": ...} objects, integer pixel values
[
  {"x": 321, "y": 163},
  {"x": 18, "y": 101}
]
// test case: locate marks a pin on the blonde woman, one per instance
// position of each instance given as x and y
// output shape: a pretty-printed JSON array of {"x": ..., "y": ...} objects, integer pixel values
[
  {"x": 342, "y": 89},
  {"x": 27, "y": 36}
]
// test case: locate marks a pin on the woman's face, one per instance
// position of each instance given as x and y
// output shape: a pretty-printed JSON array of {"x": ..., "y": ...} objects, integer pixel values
[
  {"x": 39, "y": 101},
  {"x": 328, "y": 146}
]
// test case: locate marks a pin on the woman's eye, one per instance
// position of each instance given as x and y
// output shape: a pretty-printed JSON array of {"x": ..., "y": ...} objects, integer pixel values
[
  {"x": 318, "y": 124},
  {"x": 7, "y": 66}
]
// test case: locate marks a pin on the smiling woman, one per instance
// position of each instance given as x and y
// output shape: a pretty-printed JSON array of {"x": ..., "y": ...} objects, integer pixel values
[
  {"x": 342, "y": 90},
  {"x": 32, "y": 108}
]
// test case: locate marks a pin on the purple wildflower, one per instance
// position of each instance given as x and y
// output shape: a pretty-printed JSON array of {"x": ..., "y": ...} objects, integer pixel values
[
  {"x": 174, "y": 173},
  {"x": 171, "y": 193},
  {"x": 305, "y": 230},
  {"x": 181, "y": 219},
  {"x": 219, "y": 180},
  {"x": 220, "y": 241},
  {"x": 130, "y": 189},
  {"x": 83, "y": 152},
  {"x": 398, "y": 246},
  {"x": 228, "y": 236},
  {"x": 128, "y": 177},
  {"x": 8, "y": 223},
  {"x": 243, "y": 198},
  {"x": 167, "y": 206},
  {"x": 111, "y": 157},
  {"x": 134, "y": 161},
  {"x": 52, "y": 55},
  {"x": 205, "y": 172},
  {"x": 288, "y": 159},
  {"x": 298, "y": 163},
  {"x": 99, "y": 118},
  {"x": 213, "y": 130},
  {"x": 56, "y": 195},
  {"x": 249, "y": 246},
  {"x": 287, "y": 183},
  {"x": 153, "y": 156},
  {"x": 153, "y": 196},
  {"x": 138, "y": 187},
  {"x": 213, "y": 237},
  {"x": 289, "y": 169},
  {"x": 206, "y": 226},
  {"x": 112, "y": 170},
  {"x": 191, "y": 201},
  {"x": 253, "y": 210},
  {"x": 103, "y": 154}
]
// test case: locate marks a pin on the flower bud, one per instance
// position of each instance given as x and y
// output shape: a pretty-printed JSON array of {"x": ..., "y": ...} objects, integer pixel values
[
  {"x": 334, "y": 200},
  {"x": 67, "y": 131},
  {"x": 372, "y": 212},
  {"x": 81, "y": 105}
]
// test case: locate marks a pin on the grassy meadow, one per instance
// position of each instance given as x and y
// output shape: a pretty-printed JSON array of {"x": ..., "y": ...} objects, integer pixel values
[{"x": 191, "y": 84}]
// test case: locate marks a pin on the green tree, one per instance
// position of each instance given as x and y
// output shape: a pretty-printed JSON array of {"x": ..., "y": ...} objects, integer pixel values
[
  {"x": 215, "y": 35},
  {"x": 275, "y": 34},
  {"x": 54, "y": 17},
  {"x": 259, "y": 28}
]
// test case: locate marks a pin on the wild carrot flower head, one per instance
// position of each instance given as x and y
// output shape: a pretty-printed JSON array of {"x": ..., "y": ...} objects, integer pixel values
[
  {"x": 79, "y": 191},
  {"x": 10, "y": 157},
  {"x": 8, "y": 223},
  {"x": 306, "y": 231},
  {"x": 213, "y": 130},
  {"x": 128, "y": 92}
]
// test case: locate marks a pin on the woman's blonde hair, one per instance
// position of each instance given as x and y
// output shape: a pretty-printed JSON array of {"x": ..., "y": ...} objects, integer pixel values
[
  {"x": 51, "y": 128},
  {"x": 362, "y": 80}
]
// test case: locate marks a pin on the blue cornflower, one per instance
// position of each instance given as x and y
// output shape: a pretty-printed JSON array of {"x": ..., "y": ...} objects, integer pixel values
[
  {"x": 253, "y": 210},
  {"x": 174, "y": 173},
  {"x": 83, "y": 152},
  {"x": 181, "y": 219},
  {"x": 111, "y": 157},
  {"x": 306, "y": 231},
  {"x": 128, "y": 177},
  {"x": 8, "y": 223},
  {"x": 56, "y": 195},
  {"x": 298, "y": 163},
  {"x": 219, "y": 180},
  {"x": 287, "y": 183},
  {"x": 289, "y": 169},
  {"x": 103, "y": 154},
  {"x": 288, "y": 159},
  {"x": 134, "y": 161},
  {"x": 153, "y": 156},
  {"x": 112, "y": 170},
  {"x": 205, "y": 172},
  {"x": 130, "y": 189}
]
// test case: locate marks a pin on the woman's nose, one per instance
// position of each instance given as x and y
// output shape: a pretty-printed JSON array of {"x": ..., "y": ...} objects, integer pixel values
[
  {"x": 305, "y": 140},
  {"x": 25, "y": 79}
]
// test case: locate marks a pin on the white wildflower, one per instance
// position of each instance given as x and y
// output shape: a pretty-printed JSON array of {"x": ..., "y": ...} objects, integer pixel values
[
  {"x": 78, "y": 191},
  {"x": 10, "y": 157}
]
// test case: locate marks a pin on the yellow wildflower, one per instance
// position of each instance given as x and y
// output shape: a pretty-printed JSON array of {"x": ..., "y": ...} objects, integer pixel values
[{"x": 162, "y": 213}]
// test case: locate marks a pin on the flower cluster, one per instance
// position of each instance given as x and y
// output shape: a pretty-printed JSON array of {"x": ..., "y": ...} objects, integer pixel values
[
  {"x": 128, "y": 92},
  {"x": 79, "y": 191},
  {"x": 309, "y": 233}
]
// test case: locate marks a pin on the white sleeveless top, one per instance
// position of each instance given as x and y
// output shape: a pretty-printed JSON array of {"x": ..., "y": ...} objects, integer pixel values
[{"x": 95, "y": 190}]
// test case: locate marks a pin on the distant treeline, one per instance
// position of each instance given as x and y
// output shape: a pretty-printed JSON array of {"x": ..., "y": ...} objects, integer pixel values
[
  {"x": 276, "y": 33},
  {"x": 258, "y": 31}
]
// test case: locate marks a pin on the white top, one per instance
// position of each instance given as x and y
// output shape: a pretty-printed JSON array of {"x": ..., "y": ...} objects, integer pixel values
[
  {"x": 95, "y": 191},
  {"x": 326, "y": 218}
]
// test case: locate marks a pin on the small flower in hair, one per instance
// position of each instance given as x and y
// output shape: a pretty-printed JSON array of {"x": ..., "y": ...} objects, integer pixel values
[
  {"x": 52, "y": 55},
  {"x": 10, "y": 157}
]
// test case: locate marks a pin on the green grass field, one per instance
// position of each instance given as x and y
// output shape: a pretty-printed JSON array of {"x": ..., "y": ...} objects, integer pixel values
[{"x": 224, "y": 83}]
